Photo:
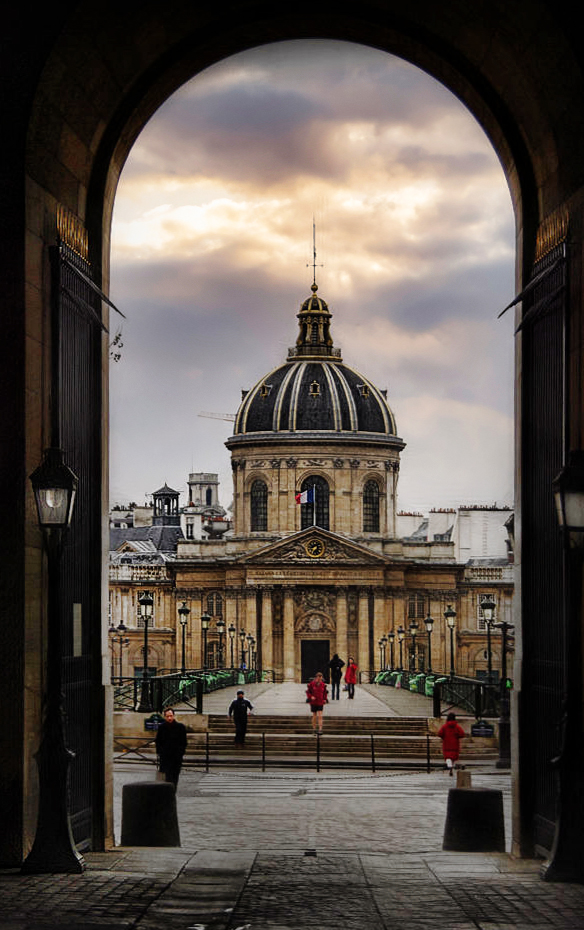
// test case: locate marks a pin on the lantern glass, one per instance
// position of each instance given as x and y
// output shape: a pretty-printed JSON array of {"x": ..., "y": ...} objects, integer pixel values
[{"x": 55, "y": 487}]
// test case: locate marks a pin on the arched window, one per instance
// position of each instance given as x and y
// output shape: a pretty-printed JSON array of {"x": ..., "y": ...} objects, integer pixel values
[
  {"x": 259, "y": 507},
  {"x": 315, "y": 513},
  {"x": 371, "y": 507}
]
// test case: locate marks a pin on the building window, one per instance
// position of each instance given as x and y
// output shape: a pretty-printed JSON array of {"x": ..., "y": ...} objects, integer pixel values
[
  {"x": 209, "y": 496},
  {"x": 481, "y": 623},
  {"x": 416, "y": 607},
  {"x": 259, "y": 507},
  {"x": 190, "y": 529},
  {"x": 371, "y": 507},
  {"x": 317, "y": 513},
  {"x": 215, "y": 605}
]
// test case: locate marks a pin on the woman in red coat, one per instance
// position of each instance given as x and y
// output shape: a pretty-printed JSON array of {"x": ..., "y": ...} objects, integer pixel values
[
  {"x": 451, "y": 734},
  {"x": 317, "y": 697},
  {"x": 351, "y": 676}
]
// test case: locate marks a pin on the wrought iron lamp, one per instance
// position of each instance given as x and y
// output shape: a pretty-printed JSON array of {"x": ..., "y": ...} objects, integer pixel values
[
  {"x": 413, "y": 634},
  {"x": 429, "y": 624},
  {"x": 53, "y": 850},
  {"x": 401, "y": 635},
  {"x": 205, "y": 621},
  {"x": 221, "y": 631},
  {"x": 183, "y": 616},
  {"x": 232, "y": 631},
  {"x": 146, "y": 602},
  {"x": 488, "y": 607},
  {"x": 450, "y": 617}
]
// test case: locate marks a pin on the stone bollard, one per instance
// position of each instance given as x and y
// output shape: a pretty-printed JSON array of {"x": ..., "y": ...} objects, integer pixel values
[
  {"x": 474, "y": 820},
  {"x": 463, "y": 779},
  {"x": 149, "y": 814}
]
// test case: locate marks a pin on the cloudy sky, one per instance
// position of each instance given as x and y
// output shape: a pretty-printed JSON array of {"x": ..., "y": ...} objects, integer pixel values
[{"x": 212, "y": 237}]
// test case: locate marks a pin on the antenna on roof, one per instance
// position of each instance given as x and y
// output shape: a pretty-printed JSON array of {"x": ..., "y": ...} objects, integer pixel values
[{"x": 314, "y": 263}]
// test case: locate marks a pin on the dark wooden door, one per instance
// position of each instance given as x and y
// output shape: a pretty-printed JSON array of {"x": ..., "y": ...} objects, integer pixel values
[{"x": 314, "y": 657}]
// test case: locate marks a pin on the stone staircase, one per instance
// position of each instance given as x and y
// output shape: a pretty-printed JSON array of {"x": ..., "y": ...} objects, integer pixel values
[{"x": 389, "y": 739}]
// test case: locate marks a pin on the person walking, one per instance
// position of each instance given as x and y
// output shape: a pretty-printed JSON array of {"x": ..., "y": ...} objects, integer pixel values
[
  {"x": 317, "y": 697},
  {"x": 336, "y": 669},
  {"x": 171, "y": 743},
  {"x": 451, "y": 734},
  {"x": 351, "y": 677},
  {"x": 239, "y": 709}
]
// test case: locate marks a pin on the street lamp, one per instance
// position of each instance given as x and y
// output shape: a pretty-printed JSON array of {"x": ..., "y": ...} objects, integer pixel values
[
  {"x": 242, "y": 635},
  {"x": 488, "y": 608},
  {"x": 54, "y": 486},
  {"x": 450, "y": 617},
  {"x": 231, "y": 632},
  {"x": 383, "y": 644},
  {"x": 429, "y": 623},
  {"x": 183, "y": 616},
  {"x": 401, "y": 635},
  {"x": 504, "y": 760},
  {"x": 221, "y": 631},
  {"x": 251, "y": 644},
  {"x": 413, "y": 634},
  {"x": 120, "y": 629},
  {"x": 391, "y": 638},
  {"x": 205, "y": 621},
  {"x": 146, "y": 602}
]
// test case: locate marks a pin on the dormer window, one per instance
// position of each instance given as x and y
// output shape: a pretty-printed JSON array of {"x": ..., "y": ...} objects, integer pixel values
[
  {"x": 265, "y": 390},
  {"x": 364, "y": 390},
  {"x": 314, "y": 389}
]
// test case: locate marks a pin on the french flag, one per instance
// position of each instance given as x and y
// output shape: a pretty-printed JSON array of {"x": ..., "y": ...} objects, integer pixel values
[{"x": 305, "y": 497}]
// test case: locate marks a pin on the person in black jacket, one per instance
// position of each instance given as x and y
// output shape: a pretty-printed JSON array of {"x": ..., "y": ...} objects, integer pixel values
[
  {"x": 336, "y": 670},
  {"x": 239, "y": 709},
  {"x": 171, "y": 743}
]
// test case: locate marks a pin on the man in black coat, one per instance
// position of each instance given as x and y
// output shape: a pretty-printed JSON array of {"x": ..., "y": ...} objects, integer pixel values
[
  {"x": 239, "y": 709},
  {"x": 171, "y": 743}
]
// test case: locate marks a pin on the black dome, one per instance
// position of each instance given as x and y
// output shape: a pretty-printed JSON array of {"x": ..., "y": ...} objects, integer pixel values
[{"x": 313, "y": 391}]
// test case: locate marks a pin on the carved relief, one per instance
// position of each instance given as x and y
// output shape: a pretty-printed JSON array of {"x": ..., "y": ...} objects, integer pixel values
[
  {"x": 314, "y": 599},
  {"x": 314, "y": 623}
]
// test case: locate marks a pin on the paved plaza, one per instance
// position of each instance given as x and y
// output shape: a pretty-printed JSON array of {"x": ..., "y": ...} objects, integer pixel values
[{"x": 290, "y": 849}]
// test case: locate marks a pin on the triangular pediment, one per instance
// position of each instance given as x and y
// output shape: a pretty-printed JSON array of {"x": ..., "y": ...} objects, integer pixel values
[{"x": 315, "y": 546}]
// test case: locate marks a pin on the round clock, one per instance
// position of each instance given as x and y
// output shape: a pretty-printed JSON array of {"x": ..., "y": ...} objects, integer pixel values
[{"x": 315, "y": 548}]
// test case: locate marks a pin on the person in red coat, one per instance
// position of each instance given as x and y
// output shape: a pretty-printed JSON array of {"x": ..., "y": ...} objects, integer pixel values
[
  {"x": 351, "y": 676},
  {"x": 451, "y": 734},
  {"x": 317, "y": 697}
]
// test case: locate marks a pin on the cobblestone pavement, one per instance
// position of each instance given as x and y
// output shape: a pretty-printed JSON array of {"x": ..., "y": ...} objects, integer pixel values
[{"x": 289, "y": 850}]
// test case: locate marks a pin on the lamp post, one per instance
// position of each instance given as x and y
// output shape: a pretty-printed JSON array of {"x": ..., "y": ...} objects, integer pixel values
[
  {"x": 242, "y": 635},
  {"x": 429, "y": 624},
  {"x": 183, "y": 616},
  {"x": 251, "y": 644},
  {"x": 450, "y": 617},
  {"x": 504, "y": 760},
  {"x": 391, "y": 638},
  {"x": 146, "y": 602},
  {"x": 123, "y": 641},
  {"x": 413, "y": 634},
  {"x": 205, "y": 621},
  {"x": 401, "y": 635},
  {"x": 488, "y": 608},
  {"x": 566, "y": 863},
  {"x": 383, "y": 643},
  {"x": 231, "y": 632},
  {"x": 53, "y": 850},
  {"x": 221, "y": 631}
]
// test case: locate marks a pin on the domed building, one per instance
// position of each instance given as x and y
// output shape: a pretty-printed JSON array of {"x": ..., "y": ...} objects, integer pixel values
[
  {"x": 315, "y": 425},
  {"x": 317, "y": 560}
]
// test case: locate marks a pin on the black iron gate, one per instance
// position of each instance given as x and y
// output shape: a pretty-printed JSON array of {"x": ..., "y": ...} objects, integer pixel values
[
  {"x": 543, "y": 445},
  {"x": 77, "y": 399}
]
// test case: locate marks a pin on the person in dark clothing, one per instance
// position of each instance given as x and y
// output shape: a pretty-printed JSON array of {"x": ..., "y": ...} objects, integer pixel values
[
  {"x": 239, "y": 709},
  {"x": 336, "y": 669},
  {"x": 171, "y": 743}
]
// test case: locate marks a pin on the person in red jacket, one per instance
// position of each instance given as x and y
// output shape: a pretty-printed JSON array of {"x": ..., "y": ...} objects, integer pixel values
[
  {"x": 351, "y": 676},
  {"x": 451, "y": 734},
  {"x": 317, "y": 697}
]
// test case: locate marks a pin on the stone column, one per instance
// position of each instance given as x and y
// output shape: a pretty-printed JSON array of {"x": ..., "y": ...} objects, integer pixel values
[
  {"x": 363, "y": 657},
  {"x": 267, "y": 641},
  {"x": 289, "y": 644},
  {"x": 342, "y": 614}
]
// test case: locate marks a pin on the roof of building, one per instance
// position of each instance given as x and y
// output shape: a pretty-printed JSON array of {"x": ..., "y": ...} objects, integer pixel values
[
  {"x": 313, "y": 391},
  {"x": 160, "y": 538}
]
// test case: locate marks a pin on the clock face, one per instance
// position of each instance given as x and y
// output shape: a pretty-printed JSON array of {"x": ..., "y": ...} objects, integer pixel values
[{"x": 315, "y": 548}]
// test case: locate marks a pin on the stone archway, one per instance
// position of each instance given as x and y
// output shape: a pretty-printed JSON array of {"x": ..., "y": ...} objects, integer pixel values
[{"x": 76, "y": 105}]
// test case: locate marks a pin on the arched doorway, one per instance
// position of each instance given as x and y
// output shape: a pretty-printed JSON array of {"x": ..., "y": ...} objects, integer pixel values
[{"x": 76, "y": 123}]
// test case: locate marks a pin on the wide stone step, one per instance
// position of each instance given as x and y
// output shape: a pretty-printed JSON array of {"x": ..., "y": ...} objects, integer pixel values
[{"x": 390, "y": 726}]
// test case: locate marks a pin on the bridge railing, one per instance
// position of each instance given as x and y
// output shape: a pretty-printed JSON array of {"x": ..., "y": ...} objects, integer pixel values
[
  {"x": 174, "y": 687},
  {"x": 478, "y": 697}
]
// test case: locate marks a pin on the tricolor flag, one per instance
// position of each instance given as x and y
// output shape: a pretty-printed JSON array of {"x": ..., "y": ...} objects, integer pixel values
[{"x": 305, "y": 497}]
